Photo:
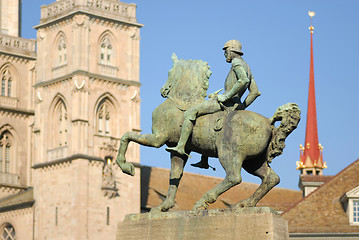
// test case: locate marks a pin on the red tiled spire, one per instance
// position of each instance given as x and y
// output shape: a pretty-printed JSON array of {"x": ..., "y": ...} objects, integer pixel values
[{"x": 311, "y": 153}]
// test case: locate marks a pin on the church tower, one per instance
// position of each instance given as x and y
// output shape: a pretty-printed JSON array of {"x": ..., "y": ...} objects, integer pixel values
[
  {"x": 86, "y": 97},
  {"x": 10, "y": 17},
  {"x": 311, "y": 163},
  {"x": 17, "y": 77}
]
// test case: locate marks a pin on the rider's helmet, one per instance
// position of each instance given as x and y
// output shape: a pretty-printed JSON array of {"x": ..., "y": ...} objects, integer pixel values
[{"x": 234, "y": 45}]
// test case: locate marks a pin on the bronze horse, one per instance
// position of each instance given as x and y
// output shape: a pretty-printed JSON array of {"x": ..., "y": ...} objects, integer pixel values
[{"x": 238, "y": 138}]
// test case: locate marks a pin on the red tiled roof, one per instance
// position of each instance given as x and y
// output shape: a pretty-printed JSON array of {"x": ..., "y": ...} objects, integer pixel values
[
  {"x": 154, "y": 187},
  {"x": 321, "y": 211}
]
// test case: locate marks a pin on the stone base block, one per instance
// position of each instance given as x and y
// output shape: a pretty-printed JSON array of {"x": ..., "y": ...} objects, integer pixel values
[{"x": 246, "y": 223}]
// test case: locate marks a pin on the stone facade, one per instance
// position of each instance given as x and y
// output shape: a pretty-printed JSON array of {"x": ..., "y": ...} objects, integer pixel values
[
  {"x": 63, "y": 110},
  {"x": 10, "y": 17},
  {"x": 21, "y": 221}
]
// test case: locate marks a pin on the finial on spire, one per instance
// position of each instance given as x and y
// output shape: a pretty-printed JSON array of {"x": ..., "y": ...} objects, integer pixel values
[{"x": 311, "y": 14}]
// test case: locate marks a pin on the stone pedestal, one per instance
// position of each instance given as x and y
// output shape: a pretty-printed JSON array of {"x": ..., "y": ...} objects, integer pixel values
[{"x": 246, "y": 223}]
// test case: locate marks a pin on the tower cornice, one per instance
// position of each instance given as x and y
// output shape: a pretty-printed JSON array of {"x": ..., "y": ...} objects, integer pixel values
[
  {"x": 18, "y": 46},
  {"x": 91, "y": 76},
  {"x": 109, "y": 10}
]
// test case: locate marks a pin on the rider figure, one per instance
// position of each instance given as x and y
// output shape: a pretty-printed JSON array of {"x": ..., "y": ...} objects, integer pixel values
[{"x": 239, "y": 79}]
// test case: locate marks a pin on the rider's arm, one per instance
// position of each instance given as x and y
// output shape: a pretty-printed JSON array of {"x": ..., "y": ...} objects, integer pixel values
[
  {"x": 241, "y": 84},
  {"x": 253, "y": 93}
]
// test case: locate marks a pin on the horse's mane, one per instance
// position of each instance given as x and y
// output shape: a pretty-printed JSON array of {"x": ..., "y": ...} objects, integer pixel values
[{"x": 188, "y": 81}]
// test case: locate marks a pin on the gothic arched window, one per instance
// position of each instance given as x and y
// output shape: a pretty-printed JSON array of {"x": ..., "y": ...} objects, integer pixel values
[
  {"x": 6, "y": 83},
  {"x": 61, "y": 51},
  {"x": 8, "y": 232},
  {"x": 106, "y": 51},
  {"x": 6, "y": 145},
  {"x": 60, "y": 124},
  {"x": 103, "y": 119}
]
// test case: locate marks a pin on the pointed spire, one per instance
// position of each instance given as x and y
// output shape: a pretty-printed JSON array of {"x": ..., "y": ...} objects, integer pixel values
[{"x": 311, "y": 157}]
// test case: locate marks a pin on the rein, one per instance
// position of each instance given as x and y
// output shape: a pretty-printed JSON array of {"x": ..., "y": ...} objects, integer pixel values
[{"x": 174, "y": 103}]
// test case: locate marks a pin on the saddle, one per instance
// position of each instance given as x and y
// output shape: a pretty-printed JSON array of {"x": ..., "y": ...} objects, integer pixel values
[{"x": 226, "y": 109}]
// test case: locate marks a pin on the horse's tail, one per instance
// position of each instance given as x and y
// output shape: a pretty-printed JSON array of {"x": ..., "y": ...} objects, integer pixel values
[{"x": 289, "y": 115}]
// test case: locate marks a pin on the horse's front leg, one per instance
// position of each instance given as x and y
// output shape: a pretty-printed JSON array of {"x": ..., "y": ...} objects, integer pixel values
[
  {"x": 151, "y": 140},
  {"x": 177, "y": 164}
]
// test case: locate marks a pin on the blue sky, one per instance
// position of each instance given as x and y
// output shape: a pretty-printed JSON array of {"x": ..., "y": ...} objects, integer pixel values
[{"x": 276, "y": 45}]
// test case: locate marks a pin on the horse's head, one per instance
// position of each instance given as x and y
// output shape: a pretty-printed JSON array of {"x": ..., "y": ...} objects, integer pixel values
[{"x": 187, "y": 80}]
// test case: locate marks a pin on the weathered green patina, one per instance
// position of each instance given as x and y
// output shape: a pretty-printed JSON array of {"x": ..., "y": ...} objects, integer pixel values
[
  {"x": 239, "y": 79},
  {"x": 238, "y": 138}
]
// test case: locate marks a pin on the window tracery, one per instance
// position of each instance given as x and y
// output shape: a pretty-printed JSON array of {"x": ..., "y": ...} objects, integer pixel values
[
  {"x": 104, "y": 119},
  {"x": 6, "y": 83},
  {"x": 106, "y": 51},
  {"x": 61, "y": 51},
  {"x": 5, "y": 151},
  {"x": 60, "y": 124},
  {"x": 8, "y": 232}
]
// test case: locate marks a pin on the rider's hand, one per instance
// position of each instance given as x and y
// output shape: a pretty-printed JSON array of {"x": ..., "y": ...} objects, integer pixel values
[{"x": 222, "y": 97}]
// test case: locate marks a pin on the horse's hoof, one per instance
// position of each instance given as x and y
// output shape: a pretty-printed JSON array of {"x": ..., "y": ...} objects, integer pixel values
[
  {"x": 243, "y": 204},
  {"x": 200, "y": 206},
  {"x": 127, "y": 168},
  {"x": 158, "y": 209},
  {"x": 155, "y": 210}
]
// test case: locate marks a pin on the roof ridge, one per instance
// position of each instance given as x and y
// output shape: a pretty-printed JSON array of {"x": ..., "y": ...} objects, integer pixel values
[{"x": 219, "y": 178}]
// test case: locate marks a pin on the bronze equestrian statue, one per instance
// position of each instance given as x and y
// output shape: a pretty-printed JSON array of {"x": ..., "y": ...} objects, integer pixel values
[{"x": 237, "y": 137}]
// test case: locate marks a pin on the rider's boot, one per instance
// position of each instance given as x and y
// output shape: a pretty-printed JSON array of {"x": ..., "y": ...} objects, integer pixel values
[
  {"x": 202, "y": 164},
  {"x": 185, "y": 133}
]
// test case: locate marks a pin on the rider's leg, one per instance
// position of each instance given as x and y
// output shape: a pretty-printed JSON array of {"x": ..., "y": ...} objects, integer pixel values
[
  {"x": 211, "y": 106},
  {"x": 206, "y": 107},
  {"x": 187, "y": 126}
]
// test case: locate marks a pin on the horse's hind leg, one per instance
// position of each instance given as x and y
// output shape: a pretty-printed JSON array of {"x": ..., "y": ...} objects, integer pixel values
[
  {"x": 269, "y": 178},
  {"x": 151, "y": 140},
  {"x": 233, "y": 178},
  {"x": 177, "y": 165}
]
